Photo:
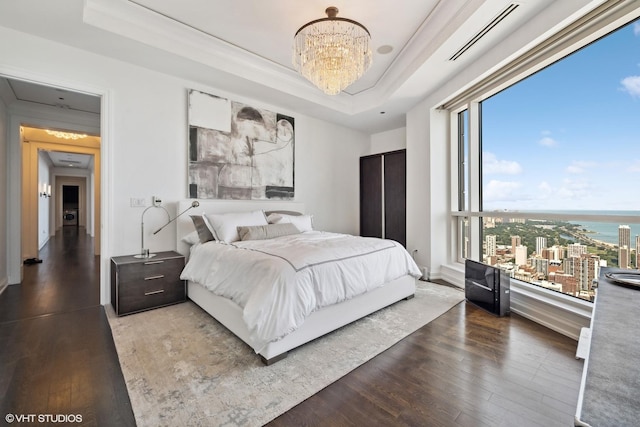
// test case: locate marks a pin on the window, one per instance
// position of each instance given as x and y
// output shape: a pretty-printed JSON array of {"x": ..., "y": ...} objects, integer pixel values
[
  {"x": 558, "y": 162},
  {"x": 463, "y": 184}
]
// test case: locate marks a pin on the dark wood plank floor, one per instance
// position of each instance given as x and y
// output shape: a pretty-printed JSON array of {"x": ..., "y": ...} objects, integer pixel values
[
  {"x": 466, "y": 368},
  {"x": 57, "y": 354}
]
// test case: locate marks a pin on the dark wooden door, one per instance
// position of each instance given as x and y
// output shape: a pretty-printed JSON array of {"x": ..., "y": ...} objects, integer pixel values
[
  {"x": 371, "y": 196},
  {"x": 395, "y": 196}
]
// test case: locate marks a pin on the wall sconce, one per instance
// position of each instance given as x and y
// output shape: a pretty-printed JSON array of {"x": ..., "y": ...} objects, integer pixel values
[{"x": 45, "y": 190}]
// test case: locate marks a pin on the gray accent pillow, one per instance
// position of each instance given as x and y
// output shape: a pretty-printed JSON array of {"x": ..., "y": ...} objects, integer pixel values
[
  {"x": 204, "y": 234},
  {"x": 269, "y": 231}
]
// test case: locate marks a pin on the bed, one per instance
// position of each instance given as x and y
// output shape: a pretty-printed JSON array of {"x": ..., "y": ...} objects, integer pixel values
[{"x": 238, "y": 314}]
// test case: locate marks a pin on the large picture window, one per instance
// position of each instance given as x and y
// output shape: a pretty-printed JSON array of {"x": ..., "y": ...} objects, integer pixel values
[{"x": 559, "y": 158}]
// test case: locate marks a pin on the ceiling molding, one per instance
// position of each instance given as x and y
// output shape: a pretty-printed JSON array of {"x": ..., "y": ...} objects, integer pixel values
[
  {"x": 131, "y": 20},
  {"x": 138, "y": 23}
]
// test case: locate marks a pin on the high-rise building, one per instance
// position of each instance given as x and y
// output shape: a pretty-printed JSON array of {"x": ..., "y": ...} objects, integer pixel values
[
  {"x": 576, "y": 249},
  {"x": 541, "y": 243},
  {"x": 638, "y": 252},
  {"x": 623, "y": 256},
  {"x": 490, "y": 242},
  {"x": 554, "y": 253},
  {"x": 589, "y": 271},
  {"x": 624, "y": 235},
  {"x": 624, "y": 241},
  {"x": 521, "y": 255},
  {"x": 515, "y": 242}
]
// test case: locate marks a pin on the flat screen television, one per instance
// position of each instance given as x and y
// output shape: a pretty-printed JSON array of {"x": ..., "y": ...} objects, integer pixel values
[{"x": 487, "y": 287}]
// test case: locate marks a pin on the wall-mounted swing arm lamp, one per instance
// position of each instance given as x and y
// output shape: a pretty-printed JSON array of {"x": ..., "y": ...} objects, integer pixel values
[{"x": 194, "y": 204}]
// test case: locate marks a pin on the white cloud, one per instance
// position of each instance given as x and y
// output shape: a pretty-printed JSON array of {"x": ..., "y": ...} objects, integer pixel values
[
  {"x": 631, "y": 85},
  {"x": 574, "y": 190},
  {"x": 501, "y": 190},
  {"x": 547, "y": 141},
  {"x": 491, "y": 165},
  {"x": 578, "y": 167},
  {"x": 634, "y": 167},
  {"x": 545, "y": 190}
]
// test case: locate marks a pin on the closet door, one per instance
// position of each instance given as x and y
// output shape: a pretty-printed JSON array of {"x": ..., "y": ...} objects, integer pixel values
[
  {"x": 371, "y": 196},
  {"x": 395, "y": 196}
]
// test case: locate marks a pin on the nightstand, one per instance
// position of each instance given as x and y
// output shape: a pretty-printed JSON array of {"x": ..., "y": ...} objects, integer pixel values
[{"x": 139, "y": 284}]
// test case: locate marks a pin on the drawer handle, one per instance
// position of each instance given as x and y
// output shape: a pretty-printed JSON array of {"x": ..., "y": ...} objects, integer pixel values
[
  {"x": 154, "y": 292},
  {"x": 153, "y": 262},
  {"x": 160, "y": 276}
]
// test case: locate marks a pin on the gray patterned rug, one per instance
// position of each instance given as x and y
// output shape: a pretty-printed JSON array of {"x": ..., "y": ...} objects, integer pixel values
[{"x": 184, "y": 368}]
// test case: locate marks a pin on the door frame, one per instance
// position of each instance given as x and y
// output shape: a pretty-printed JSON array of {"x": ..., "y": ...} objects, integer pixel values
[
  {"x": 14, "y": 168},
  {"x": 29, "y": 202}
]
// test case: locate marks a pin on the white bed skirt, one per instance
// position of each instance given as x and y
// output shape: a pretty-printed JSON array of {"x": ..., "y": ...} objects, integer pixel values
[{"x": 317, "y": 324}]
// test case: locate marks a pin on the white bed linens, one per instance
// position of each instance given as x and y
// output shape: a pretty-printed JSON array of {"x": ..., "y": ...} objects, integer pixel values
[{"x": 279, "y": 282}]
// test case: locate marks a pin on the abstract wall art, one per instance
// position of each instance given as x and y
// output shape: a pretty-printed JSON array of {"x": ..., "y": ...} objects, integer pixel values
[{"x": 237, "y": 151}]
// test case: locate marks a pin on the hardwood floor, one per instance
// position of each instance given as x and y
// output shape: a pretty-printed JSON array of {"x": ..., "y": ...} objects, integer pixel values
[
  {"x": 466, "y": 368},
  {"x": 57, "y": 354}
]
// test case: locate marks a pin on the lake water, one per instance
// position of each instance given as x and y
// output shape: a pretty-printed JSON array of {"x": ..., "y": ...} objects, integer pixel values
[{"x": 608, "y": 231}]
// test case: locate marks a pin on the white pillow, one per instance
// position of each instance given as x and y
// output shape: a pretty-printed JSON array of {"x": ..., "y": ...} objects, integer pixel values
[
  {"x": 302, "y": 222},
  {"x": 191, "y": 238},
  {"x": 225, "y": 226},
  {"x": 269, "y": 231}
]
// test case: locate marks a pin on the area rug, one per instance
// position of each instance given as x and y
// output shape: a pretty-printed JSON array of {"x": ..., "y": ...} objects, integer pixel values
[{"x": 183, "y": 368}]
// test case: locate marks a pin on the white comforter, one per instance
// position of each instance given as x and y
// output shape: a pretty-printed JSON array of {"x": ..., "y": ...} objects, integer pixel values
[{"x": 279, "y": 282}]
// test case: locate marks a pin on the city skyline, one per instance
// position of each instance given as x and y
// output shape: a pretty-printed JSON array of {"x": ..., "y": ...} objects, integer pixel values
[
  {"x": 567, "y": 137},
  {"x": 570, "y": 265}
]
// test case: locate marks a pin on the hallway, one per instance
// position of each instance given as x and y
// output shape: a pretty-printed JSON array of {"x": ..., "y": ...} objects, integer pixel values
[{"x": 58, "y": 355}]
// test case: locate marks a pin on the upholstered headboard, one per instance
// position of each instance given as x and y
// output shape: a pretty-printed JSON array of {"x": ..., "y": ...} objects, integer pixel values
[{"x": 185, "y": 226}]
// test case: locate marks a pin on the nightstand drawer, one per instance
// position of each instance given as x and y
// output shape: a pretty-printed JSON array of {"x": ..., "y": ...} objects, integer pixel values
[
  {"x": 150, "y": 271},
  {"x": 150, "y": 294},
  {"x": 142, "y": 284}
]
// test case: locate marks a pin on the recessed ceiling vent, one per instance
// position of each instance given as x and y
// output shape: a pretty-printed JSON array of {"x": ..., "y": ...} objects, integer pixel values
[{"x": 501, "y": 16}]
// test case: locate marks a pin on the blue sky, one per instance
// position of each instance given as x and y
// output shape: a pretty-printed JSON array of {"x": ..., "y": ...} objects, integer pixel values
[{"x": 568, "y": 137}]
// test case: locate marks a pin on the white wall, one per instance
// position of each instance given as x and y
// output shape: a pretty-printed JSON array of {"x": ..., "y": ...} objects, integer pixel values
[
  {"x": 145, "y": 142},
  {"x": 44, "y": 203},
  {"x": 391, "y": 140},
  {"x": 3, "y": 197}
]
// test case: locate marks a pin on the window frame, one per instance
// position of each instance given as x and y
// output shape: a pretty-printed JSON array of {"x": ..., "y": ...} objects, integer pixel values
[{"x": 589, "y": 28}]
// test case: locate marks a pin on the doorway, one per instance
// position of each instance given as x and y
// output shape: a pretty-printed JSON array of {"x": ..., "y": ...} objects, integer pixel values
[
  {"x": 71, "y": 161},
  {"x": 73, "y": 121},
  {"x": 70, "y": 205}
]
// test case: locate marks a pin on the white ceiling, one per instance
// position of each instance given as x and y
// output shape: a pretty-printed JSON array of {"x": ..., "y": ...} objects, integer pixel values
[
  {"x": 244, "y": 46},
  {"x": 70, "y": 160}
]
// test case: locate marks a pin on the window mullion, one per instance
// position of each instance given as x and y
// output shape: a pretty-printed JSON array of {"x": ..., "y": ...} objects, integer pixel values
[{"x": 475, "y": 179}]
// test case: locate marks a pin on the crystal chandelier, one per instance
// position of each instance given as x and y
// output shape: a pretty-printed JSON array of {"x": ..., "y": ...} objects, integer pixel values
[{"x": 332, "y": 52}]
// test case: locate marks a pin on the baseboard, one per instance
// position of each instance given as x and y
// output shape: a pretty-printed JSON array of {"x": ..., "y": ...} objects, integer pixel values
[{"x": 4, "y": 283}]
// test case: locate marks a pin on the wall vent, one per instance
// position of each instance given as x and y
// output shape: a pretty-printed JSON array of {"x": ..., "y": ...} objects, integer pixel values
[{"x": 495, "y": 21}]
